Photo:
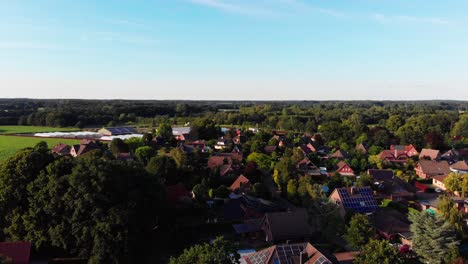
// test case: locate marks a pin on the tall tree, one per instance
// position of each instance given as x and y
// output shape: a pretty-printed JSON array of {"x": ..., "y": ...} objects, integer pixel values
[
  {"x": 359, "y": 231},
  {"x": 432, "y": 238},
  {"x": 164, "y": 131}
]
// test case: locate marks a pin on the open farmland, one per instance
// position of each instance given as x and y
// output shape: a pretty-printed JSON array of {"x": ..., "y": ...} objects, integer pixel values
[
  {"x": 31, "y": 129},
  {"x": 9, "y": 145}
]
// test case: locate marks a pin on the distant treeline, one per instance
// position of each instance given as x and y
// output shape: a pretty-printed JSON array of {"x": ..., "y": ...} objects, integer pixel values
[{"x": 302, "y": 116}]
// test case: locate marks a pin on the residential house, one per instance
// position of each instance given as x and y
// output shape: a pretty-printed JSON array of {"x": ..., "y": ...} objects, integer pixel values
[
  {"x": 362, "y": 148},
  {"x": 245, "y": 207},
  {"x": 182, "y": 133},
  {"x": 300, "y": 253},
  {"x": 438, "y": 181},
  {"x": 460, "y": 167},
  {"x": 199, "y": 145},
  {"x": 223, "y": 143},
  {"x": 430, "y": 154},
  {"x": 451, "y": 156},
  {"x": 390, "y": 224},
  {"x": 241, "y": 184},
  {"x": 409, "y": 150},
  {"x": 390, "y": 186},
  {"x": 220, "y": 159},
  {"x": 283, "y": 226},
  {"x": 17, "y": 252},
  {"x": 356, "y": 199},
  {"x": 339, "y": 154},
  {"x": 345, "y": 257},
  {"x": 117, "y": 131},
  {"x": 61, "y": 149},
  {"x": 306, "y": 167},
  {"x": 344, "y": 169},
  {"x": 84, "y": 147},
  {"x": 429, "y": 168},
  {"x": 393, "y": 156}
]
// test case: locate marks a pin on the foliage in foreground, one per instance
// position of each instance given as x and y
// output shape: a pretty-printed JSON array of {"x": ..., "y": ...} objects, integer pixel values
[
  {"x": 433, "y": 239},
  {"x": 93, "y": 207},
  {"x": 379, "y": 251},
  {"x": 220, "y": 251}
]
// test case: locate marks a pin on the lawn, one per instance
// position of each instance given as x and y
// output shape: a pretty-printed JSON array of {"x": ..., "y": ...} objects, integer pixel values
[
  {"x": 9, "y": 145},
  {"x": 32, "y": 129}
]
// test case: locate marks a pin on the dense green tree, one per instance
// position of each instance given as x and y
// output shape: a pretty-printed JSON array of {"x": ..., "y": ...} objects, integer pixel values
[
  {"x": 164, "y": 131},
  {"x": 134, "y": 143},
  {"x": 118, "y": 146},
  {"x": 291, "y": 190},
  {"x": 222, "y": 192},
  {"x": 220, "y": 251},
  {"x": 379, "y": 251},
  {"x": 163, "y": 166},
  {"x": 449, "y": 211},
  {"x": 180, "y": 157},
  {"x": 394, "y": 122},
  {"x": 432, "y": 238},
  {"x": 454, "y": 183},
  {"x": 461, "y": 127},
  {"x": 359, "y": 231},
  {"x": 263, "y": 161},
  {"x": 144, "y": 154},
  {"x": 15, "y": 175},
  {"x": 200, "y": 191}
]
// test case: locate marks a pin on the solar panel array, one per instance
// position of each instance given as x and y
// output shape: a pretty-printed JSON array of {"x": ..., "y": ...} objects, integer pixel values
[
  {"x": 260, "y": 257},
  {"x": 322, "y": 260},
  {"x": 285, "y": 253},
  {"x": 121, "y": 130},
  {"x": 362, "y": 202}
]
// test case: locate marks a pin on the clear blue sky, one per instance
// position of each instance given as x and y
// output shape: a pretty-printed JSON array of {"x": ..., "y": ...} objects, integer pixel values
[{"x": 234, "y": 49}]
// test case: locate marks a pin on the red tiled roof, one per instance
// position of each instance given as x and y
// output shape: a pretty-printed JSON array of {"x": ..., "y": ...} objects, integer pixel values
[
  {"x": 240, "y": 181},
  {"x": 460, "y": 166},
  {"x": 432, "y": 154},
  {"x": 18, "y": 251}
]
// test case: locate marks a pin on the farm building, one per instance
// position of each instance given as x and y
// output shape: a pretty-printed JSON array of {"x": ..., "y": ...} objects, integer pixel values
[{"x": 116, "y": 131}]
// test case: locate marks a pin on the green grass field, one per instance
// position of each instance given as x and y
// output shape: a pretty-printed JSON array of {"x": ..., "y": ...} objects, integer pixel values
[
  {"x": 9, "y": 145},
  {"x": 32, "y": 129}
]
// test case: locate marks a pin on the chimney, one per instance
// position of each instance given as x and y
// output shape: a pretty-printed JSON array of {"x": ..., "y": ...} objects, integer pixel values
[{"x": 353, "y": 191}]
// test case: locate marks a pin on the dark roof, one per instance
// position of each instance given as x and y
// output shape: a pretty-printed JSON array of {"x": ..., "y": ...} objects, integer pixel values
[
  {"x": 432, "y": 154},
  {"x": 61, "y": 149},
  {"x": 18, "y": 251},
  {"x": 390, "y": 184},
  {"x": 248, "y": 226},
  {"x": 362, "y": 201},
  {"x": 377, "y": 174},
  {"x": 248, "y": 207},
  {"x": 390, "y": 221},
  {"x": 434, "y": 167},
  {"x": 287, "y": 225},
  {"x": 288, "y": 254}
]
